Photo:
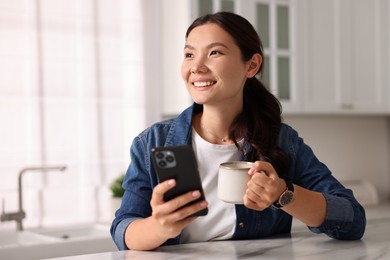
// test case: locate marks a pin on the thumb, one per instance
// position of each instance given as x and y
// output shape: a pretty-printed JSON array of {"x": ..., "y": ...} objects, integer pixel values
[{"x": 251, "y": 171}]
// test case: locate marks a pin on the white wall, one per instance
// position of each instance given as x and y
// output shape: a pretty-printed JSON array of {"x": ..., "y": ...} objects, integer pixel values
[
  {"x": 175, "y": 16},
  {"x": 353, "y": 147}
]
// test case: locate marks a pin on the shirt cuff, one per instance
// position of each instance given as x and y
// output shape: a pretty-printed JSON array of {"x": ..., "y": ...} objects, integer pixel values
[
  {"x": 339, "y": 216},
  {"x": 119, "y": 236}
]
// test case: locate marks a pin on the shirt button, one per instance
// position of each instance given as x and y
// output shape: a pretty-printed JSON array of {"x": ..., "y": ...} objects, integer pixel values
[{"x": 241, "y": 225}]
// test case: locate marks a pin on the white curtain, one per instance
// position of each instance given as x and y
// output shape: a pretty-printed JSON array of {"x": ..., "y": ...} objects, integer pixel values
[{"x": 73, "y": 91}]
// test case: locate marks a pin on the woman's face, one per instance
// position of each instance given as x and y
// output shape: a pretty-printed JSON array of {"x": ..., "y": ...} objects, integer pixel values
[{"x": 213, "y": 69}]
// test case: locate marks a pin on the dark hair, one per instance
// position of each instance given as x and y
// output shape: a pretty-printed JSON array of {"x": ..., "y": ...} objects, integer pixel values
[{"x": 260, "y": 121}]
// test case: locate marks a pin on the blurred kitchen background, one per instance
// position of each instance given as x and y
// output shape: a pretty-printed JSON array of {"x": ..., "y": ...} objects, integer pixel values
[{"x": 79, "y": 79}]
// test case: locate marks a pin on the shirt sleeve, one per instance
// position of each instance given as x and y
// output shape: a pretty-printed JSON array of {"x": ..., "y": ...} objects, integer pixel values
[
  {"x": 138, "y": 184},
  {"x": 345, "y": 217},
  {"x": 344, "y": 220}
]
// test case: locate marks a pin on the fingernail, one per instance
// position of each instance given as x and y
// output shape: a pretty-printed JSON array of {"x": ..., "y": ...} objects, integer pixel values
[
  {"x": 196, "y": 194},
  {"x": 203, "y": 204},
  {"x": 171, "y": 182},
  {"x": 251, "y": 171}
]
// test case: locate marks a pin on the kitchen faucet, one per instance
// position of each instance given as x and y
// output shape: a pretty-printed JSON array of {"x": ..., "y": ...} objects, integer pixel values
[{"x": 20, "y": 214}]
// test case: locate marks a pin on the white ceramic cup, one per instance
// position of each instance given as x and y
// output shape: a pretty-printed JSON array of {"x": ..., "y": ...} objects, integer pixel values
[{"x": 232, "y": 181}]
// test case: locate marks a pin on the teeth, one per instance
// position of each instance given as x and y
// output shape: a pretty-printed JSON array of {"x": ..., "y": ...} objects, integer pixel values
[{"x": 203, "y": 83}]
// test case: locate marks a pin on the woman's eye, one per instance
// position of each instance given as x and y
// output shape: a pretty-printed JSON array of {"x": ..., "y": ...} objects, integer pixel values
[
  {"x": 188, "y": 55},
  {"x": 214, "y": 52}
]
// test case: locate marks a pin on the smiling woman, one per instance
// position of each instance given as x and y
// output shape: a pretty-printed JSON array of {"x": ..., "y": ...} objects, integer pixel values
[{"x": 233, "y": 118}]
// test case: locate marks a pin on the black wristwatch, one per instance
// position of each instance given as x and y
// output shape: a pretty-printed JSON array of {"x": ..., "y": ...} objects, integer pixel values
[{"x": 287, "y": 196}]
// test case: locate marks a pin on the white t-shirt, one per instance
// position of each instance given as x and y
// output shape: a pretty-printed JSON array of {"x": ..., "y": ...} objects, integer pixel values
[{"x": 219, "y": 223}]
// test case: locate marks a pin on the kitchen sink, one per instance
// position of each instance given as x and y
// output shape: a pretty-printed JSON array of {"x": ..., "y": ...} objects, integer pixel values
[
  {"x": 20, "y": 238},
  {"x": 55, "y": 242},
  {"x": 70, "y": 233}
]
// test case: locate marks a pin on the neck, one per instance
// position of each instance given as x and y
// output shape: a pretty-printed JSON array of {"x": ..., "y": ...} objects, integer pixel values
[
  {"x": 219, "y": 119},
  {"x": 214, "y": 126},
  {"x": 216, "y": 137}
]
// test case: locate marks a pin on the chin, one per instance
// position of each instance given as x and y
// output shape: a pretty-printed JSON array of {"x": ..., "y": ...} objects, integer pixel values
[{"x": 198, "y": 101}]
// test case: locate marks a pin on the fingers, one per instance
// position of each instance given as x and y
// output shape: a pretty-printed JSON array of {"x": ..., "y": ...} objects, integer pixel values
[
  {"x": 255, "y": 204},
  {"x": 178, "y": 205},
  {"x": 186, "y": 212},
  {"x": 259, "y": 199},
  {"x": 161, "y": 189},
  {"x": 176, "y": 220},
  {"x": 175, "y": 214},
  {"x": 264, "y": 168},
  {"x": 263, "y": 186},
  {"x": 175, "y": 206}
]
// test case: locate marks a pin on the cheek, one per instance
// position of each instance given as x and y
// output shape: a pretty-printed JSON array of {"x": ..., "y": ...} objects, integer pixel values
[
  {"x": 235, "y": 75},
  {"x": 184, "y": 71}
]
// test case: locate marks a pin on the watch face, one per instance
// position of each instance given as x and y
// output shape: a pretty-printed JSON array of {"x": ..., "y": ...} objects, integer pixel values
[{"x": 286, "y": 198}]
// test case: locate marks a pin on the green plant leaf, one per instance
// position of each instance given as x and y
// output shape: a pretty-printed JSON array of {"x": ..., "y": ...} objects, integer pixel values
[{"x": 116, "y": 187}]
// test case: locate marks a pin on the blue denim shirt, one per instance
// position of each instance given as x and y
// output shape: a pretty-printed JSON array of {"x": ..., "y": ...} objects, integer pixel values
[{"x": 345, "y": 217}]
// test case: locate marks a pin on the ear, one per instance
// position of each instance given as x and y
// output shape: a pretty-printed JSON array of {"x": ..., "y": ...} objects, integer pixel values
[{"x": 254, "y": 65}]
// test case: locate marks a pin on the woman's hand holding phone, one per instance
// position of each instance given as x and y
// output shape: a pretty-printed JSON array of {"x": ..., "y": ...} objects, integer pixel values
[
  {"x": 172, "y": 215},
  {"x": 168, "y": 218},
  {"x": 179, "y": 163}
]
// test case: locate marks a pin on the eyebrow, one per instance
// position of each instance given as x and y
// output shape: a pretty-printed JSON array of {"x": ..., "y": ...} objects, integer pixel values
[{"x": 211, "y": 45}]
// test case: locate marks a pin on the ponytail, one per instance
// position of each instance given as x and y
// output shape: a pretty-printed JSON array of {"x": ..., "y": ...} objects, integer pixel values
[{"x": 260, "y": 123}]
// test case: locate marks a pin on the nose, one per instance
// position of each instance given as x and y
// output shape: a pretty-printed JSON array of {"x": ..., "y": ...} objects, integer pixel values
[{"x": 197, "y": 68}]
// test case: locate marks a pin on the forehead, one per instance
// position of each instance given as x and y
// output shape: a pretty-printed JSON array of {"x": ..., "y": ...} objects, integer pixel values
[{"x": 209, "y": 33}]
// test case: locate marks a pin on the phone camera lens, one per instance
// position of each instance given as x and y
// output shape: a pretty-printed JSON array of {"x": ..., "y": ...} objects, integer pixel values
[
  {"x": 169, "y": 158},
  {"x": 160, "y": 155},
  {"x": 162, "y": 164}
]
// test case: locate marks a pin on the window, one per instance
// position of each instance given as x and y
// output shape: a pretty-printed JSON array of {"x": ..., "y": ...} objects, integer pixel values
[
  {"x": 209, "y": 6},
  {"x": 272, "y": 24}
]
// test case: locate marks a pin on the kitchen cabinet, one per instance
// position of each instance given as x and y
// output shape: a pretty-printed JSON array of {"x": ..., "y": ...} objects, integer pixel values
[{"x": 345, "y": 56}]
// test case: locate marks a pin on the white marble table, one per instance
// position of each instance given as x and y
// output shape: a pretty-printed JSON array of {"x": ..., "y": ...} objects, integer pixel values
[{"x": 302, "y": 244}]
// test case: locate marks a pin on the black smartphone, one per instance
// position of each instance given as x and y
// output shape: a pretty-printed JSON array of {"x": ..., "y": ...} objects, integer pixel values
[{"x": 179, "y": 163}]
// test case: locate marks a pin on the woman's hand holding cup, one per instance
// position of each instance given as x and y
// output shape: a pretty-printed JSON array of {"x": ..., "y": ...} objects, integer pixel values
[{"x": 264, "y": 186}]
